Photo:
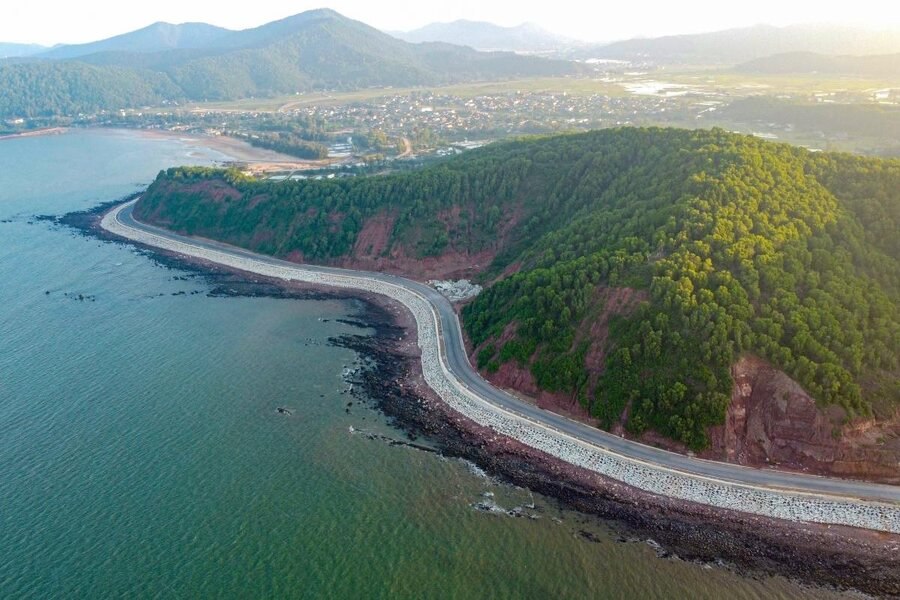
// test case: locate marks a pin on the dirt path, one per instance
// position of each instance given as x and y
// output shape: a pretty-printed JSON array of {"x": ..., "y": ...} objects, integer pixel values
[{"x": 407, "y": 148}]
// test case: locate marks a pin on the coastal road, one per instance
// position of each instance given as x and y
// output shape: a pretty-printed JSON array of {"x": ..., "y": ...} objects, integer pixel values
[{"x": 457, "y": 363}]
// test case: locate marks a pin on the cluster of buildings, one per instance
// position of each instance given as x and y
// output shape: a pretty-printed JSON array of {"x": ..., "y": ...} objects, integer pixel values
[{"x": 430, "y": 119}]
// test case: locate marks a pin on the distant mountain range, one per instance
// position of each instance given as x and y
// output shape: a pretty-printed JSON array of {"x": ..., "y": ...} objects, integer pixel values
[
  {"x": 158, "y": 37},
  {"x": 734, "y": 46},
  {"x": 481, "y": 35},
  {"x": 727, "y": 47},
  {"x": 318, "y": 49},
  {"x": 882, "y": 66},
  {"x": 17, "y": 50}
]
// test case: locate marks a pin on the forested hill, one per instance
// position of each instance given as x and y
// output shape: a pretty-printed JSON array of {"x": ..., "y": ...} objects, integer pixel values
[
  {"x": 62, "y": 88},
  {"x": 317, "y": 49},
  {"x": 157, "y": 37},
  {"x": 739, "y": 247}
]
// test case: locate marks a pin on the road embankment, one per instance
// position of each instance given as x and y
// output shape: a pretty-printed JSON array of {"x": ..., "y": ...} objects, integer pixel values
[
  {"x": 732, "y": 495},
  {"x": 830, "y": 555}
]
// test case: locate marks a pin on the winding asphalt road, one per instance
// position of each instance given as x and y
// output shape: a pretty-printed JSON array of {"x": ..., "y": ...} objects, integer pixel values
[{"x": 459, "y": 366}]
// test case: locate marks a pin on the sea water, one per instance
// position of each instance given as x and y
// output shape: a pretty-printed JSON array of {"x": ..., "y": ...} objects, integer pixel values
[{"x": 142, "y": 453}]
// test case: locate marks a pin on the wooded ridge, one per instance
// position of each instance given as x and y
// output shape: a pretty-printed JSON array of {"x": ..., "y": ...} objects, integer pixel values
[{"x": 741, "y": 246}]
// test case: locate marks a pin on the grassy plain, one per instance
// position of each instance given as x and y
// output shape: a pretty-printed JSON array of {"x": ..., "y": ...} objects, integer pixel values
[{"x": 570, "y": 85}]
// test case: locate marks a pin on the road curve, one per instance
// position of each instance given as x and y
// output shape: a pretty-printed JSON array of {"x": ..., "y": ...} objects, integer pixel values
[{"x": 457, "y": 363}]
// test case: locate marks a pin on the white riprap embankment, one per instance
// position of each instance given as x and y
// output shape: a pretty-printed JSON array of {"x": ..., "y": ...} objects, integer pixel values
[{"x": 795, "y": 506}]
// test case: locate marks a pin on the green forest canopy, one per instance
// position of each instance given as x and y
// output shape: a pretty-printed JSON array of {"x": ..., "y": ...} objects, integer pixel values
[
  {"x": 317, "y": 49},
  {"x": 742, "y": 245}
]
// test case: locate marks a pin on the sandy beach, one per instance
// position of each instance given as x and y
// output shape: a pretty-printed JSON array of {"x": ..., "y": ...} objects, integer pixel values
[
  {"x": 35, "y": 133},
  {"x": 238, "y": 153},
  {"x": 244, "y": 155}
]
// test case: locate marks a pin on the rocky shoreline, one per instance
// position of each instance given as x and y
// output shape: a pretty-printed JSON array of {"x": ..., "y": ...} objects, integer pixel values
[{"x": 842, "y": 557}]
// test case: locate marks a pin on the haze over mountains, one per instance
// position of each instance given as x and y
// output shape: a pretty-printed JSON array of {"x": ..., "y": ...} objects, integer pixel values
[
  {"x": 321, "y": 49},
  {"x": 17, "y": 50},
  {"x": 886, "y": 66},
  {"x": 157, "y": 37},
  {"x": 481, "y": 35},
  {"x": 733, "y": 46}
]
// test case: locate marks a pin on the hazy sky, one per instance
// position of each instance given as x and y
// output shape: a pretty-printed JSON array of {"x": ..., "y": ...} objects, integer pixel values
[{"x": 595, "y": 20}]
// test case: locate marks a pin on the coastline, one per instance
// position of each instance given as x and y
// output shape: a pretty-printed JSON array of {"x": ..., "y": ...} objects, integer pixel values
[
  {"x": 36, "y": 133},
  {"x": 237, "y": 150},
  {"x": 240, "y": 153},
  {"x": 842, "y": 557}
]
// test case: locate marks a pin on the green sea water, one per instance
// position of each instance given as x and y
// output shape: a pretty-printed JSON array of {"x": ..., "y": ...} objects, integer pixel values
[{"x": 142, "y": 456}]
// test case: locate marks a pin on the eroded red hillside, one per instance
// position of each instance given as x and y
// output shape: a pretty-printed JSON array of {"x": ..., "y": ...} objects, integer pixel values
[{"x": 771, "y": 421}]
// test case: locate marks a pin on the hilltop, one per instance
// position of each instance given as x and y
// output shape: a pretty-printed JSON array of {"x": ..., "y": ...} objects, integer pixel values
[
  {"x": 157, "y": 37},
  {"x": 635, "y": 275}
]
